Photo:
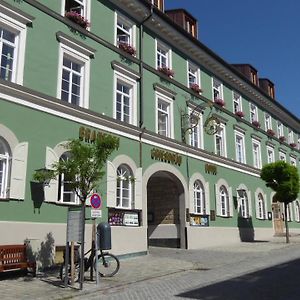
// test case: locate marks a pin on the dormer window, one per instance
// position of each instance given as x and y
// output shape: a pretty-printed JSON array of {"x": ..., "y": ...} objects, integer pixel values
[
  {"x": 253, "y": 75},
  {"x": 158, "y": 3}
]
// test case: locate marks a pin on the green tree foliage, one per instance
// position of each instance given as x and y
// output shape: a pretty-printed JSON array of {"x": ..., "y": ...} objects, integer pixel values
[
  {"x": 282, "y": 178},
  {"x": 84, "y": 166}
]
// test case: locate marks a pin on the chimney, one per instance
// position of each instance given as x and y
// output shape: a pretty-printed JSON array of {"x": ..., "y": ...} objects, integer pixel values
[
  {"x": 267, "y": 86},
  {"x": 185, "y": 20},
  {"x": 248, "y": 71}
]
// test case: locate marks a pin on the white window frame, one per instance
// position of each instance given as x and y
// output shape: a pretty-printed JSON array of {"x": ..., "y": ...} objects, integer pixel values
[
  {"x": 193, "y": 71},
  {"x": 240, "y": 151},
  {"x": 222, "y": 135},
  {"x": 217, "y": 87},
  {"x": 85, "y": 10},
  {"x": 256, "y": 151},
  {"x": 261, "y": 207},
  {"x": 160, "y": 98},
  {"x": 82, "y": 59},
  {"x": 5, "y": 158},
  {"x": 236, "y": 102},
  {"x": 293, "y": 161},
  {"x": 298, "y": 142},
  {"x": 268, "y": 121},
  {"x": 224, "y": 201},
  {"x": 126, "y": 80},
  {"x": 297, "y": 210},
  {"x": 290, "y": 136},
  {"x": 244, "y": 206},
  {"x": 123, "y": 183},
  {"x": 279, "y": 129},
  {"x": 199, "y": 197},
  {"x": 159, "y": 49},
  {"x": 270, "y": 154},
  {"x": 253, "y": 112},
  {"x": 19, "y": 29},
  {"x": 282, "y": 156},
  {"x": 119, "y": 18},
  {"x": 196, "y": 133}
]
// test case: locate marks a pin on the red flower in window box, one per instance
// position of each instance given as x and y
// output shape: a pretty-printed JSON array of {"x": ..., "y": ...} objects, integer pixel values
[
  {"x": 270, "y": 132},
  {"x": 127, "y": 48},
  {"x": 282, "y": 139},
  {"x": 166, "y": 71},
  {"x": 195, "y": 87},
  {"x": 240, "y": 114},
  {"x": 256, "y": 124},
  {"x": 78, "y": 19},
  {"x": 220, "y": 102},
  {"x": 293, "y": 145}
]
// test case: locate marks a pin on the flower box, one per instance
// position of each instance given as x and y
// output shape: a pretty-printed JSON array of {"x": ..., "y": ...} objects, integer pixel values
[
  {"x": 293, "y": 145},
  {"x": 270, "y": 132},
  {"x": 195, "y": 87},
  {"x": 256, "y": 124},
  {"x": 282, "y": 139},
  {"x": 239, "y": 114},
  {"x": 220, "y": 102},
  {"x": 78, "y": 19},
  {"x": 127, "y": 48},
  {"x": 166, "y": 71}
]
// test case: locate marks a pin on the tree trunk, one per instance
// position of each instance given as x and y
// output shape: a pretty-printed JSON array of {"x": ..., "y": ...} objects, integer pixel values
[{"x": 287, "y": 234}]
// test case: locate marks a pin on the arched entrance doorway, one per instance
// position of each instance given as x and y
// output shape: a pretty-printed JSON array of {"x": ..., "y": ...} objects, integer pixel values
[{"x": 165, "y": 204}]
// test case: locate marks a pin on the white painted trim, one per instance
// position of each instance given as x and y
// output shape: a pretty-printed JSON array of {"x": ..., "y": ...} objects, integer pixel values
[{"x": 241, "y": 135}]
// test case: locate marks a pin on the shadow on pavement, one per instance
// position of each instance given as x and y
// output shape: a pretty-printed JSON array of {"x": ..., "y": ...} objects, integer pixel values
[{"x": 278, "y": 282}]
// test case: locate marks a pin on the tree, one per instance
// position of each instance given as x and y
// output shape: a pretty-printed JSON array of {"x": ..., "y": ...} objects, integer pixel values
[
  {"x": 282, "y": 178},
  {"x": 84, "y": 168}
]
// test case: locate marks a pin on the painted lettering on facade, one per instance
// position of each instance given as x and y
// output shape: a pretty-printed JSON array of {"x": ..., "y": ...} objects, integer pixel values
[
  {"x": 165, "y": 156},
  {"x": 211, "y": 169},
  {"x": 90, "y": 135}
]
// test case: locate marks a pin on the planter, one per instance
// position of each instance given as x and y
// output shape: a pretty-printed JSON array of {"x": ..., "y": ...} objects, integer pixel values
[
  {"x": 78, "y": 19},
  {"x": 270, "y": 132},
  {"x": 127, "y": 48},
  {"x": 239, "y": 114},
  {"x": 195, "y": 87},
  {"x": 220, "y": 102},
  {"x": 293, "y": 145},
  {"x": 166, "y": 71},
  {"x": 256, "y": 124},
  {"x": 282, "y": 139}
]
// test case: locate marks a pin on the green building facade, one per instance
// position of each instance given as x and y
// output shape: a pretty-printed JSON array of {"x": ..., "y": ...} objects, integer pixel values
[{"x": 194, "y": 130}]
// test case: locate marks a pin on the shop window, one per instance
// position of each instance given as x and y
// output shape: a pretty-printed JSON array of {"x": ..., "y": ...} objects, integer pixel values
[
  {"x": 199, "y": 198},
  {"x": 125, "y": 184}
]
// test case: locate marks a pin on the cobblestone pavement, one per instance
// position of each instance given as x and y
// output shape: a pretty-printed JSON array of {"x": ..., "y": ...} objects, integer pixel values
[{"x": 162, "y": 274}]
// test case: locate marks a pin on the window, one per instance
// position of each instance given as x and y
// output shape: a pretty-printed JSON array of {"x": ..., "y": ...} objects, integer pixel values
[
  {"x": 199, "y": 198},
  {"x": 163, "y": 56},
  {"x": 124, "y": 186},
  {"x": 73, "y": 79},
  {"x": 81, "y": 7},
  {"x": 253, "y": 113},
  {"x": 224, "y": 201},
  {"x": 289, "y": 216},
  {"x": 293, "y": 161},
  {"x": 270, "y": 154},
  {"x": 124, "y": 31},
  {"x": 5, "y": 166},
  {"x": 193, "y": 75},
  {"x": 290, "y": 136},
  {"x": 297, "y": 211},
  {"x": 13, "y": 26},
  {"x": 237, "y": 102},
  {"x": 282, "y": 156},
  {"x": 164, "y": 119},
  {"x": 279, "y": 129},
  {"x": 298, "y": 142},
  {"x": 240, "y": 148},
  {"x": 196, "y": 134},
  {"x": 217, "y": 89},
  {"x": 220, "y": 141},
  {"x": 158, "y": 4},
  {"x": 268, "y": 121},
  {"x": 261, "y": 210},
  {"x": 67, "y": 194},
  {"x": 244, "y": 209},
  {"x": 125, "y": 99},
  {"x": 256, "y": 154}
]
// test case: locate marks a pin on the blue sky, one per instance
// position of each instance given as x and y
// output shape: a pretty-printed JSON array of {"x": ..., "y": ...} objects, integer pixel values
[{"x": 263, "y": 33}]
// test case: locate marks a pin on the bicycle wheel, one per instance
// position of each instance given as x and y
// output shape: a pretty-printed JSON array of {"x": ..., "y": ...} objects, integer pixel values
[
  {"x": 62, "y": 273},
  {"x": 108, "y": 265}
]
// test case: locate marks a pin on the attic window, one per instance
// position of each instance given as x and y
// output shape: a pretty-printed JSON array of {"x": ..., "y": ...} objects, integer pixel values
[
  {"x": 271, "y": 91},
  {"x": 253, "y": 77},
  {"x": 158, "y": 4},
  {"x": 190, "y": 26}
]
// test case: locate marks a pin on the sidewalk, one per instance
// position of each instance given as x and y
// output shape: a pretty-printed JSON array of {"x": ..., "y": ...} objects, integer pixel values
[{"x": 158, "y": 263}]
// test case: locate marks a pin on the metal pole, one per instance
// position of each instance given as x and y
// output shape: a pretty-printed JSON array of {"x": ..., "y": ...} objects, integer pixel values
[
  {"x": 96, "y": 259},
  {"x": 66, "y": 264},
  {"x": 82, "y": 245}
]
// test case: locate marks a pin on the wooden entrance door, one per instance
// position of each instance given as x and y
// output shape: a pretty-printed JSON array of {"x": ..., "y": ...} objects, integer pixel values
[{"x": 277, "y": 218}]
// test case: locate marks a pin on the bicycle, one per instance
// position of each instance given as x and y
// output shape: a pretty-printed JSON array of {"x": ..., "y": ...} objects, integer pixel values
[{"x": 108, "y": 264}]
